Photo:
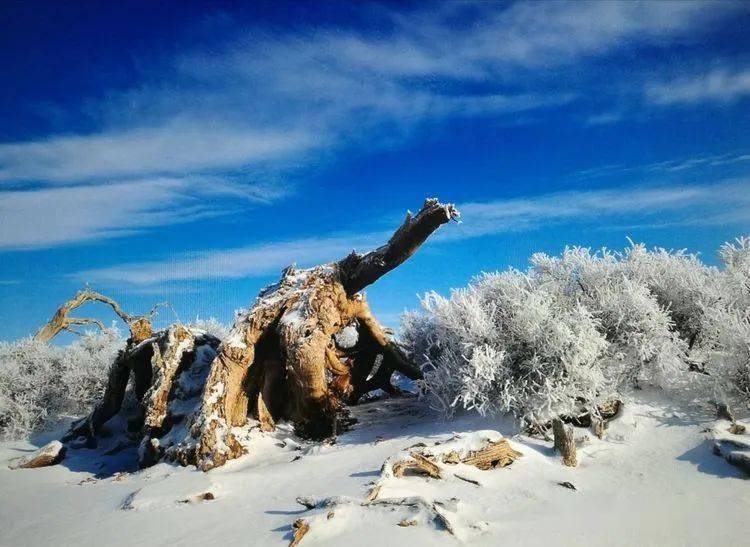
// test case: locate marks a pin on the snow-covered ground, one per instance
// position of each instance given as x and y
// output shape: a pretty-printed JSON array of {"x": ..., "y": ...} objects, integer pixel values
[{"x": 653, "y": 480}]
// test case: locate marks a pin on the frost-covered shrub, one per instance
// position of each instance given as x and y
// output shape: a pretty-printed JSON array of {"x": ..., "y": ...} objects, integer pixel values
[
  {"x": 641, "y": 342},
  {"x": 681, "y": 284},
  {"x": 211, "y": 326},
  {"x": 41, "y": 384},
  {"x": 579, "y": 328},
  {"x": 726, "y": 324},
  {"x": 505, "y": 344}
]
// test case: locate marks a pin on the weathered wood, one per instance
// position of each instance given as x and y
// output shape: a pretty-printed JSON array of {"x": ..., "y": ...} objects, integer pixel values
[
  {"x": 564, "y": 442},
  {"x": 134, "y": 356},
  {"x": 417, "y": 463},
  {"x": 724, "y": 412},
  {"x": 50, "y": 454},
  {"x": 498, "y": 454},
  {"x": 359, "y": 271},
  {"x": 167, "y": 352},
  {"x": 300, "y": 528},
  {"x": 140, "y": 326}
]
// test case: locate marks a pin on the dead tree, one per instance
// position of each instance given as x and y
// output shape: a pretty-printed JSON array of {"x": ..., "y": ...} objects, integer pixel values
[{"x": 281, "y": 361}]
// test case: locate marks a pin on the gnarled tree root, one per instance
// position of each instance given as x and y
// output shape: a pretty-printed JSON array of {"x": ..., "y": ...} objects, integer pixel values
[{"x": 282, "y": 360}]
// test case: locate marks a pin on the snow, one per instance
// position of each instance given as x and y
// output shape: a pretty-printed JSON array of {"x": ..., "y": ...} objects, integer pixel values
[
  {"x": 347, "y": 337},
  {"x": 652, "y": 480}
]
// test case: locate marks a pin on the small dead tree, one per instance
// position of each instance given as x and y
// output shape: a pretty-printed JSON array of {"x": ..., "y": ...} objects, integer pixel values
[{"x": 281, "y": 361}]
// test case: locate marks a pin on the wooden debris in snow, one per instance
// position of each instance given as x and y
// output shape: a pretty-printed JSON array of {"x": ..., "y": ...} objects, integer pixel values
[
  {"x": 723, "y": 412},
  {"x": 308, "y": 347},
  {"x": 206, "y": 496},
  {"x": 736, "y": 429},
  {"x": 300, "y": 527},
  {"x": 564, "y": 442},
  {"x": 49, "y": 454},
  {"x": 498, "y": 454},
  {"x": 416, "y": 463},
  {"x": 307, "y": 503},
  {"x": 733, "y": 445}
]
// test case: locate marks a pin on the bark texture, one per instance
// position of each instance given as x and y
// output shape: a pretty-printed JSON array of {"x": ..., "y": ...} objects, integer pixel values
[
  {"x": 285, "y": 359},
  {"x": 565, "y": 444}
]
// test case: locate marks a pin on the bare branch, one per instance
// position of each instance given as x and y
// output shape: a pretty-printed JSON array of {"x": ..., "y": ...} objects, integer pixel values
[
  {"x": 359, "y": 271},
  {"x": 140, "y": 326},
  {"x": 86, "y": 321}
]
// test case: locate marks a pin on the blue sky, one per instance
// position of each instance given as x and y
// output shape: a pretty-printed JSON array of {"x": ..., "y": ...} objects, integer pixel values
[{"x": 187, "y": 151}]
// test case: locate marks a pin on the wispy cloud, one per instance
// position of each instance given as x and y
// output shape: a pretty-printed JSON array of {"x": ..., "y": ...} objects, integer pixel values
[
  {"x": 278, "y": 97},
  {"x": 666, "y": 167},
  {"x": 711, "y": 203},
  {"x": 604, "y": 118},
  {"x": 724, "y": 202},
  {"x": 62, "y": 215},
  {"x": 175, "y": 148},
  {"x": 260, "y": 103},
  {"x": 251, "y": 261},
  {"x": 719, "y": 85}
]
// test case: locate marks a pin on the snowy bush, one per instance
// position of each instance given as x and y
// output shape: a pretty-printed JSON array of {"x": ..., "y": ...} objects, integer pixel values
[
  {"x": 211, "y": 326},
  {"x": 41, "y": 384},
  {"x": 505, "y": 344},
  {"x": 583, "y": 327}
]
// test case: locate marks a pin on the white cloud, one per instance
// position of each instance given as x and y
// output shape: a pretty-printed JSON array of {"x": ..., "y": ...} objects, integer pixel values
[
  {"x": 56, "y": 216},
  {"x": 726, "y": 202},
  {"x": 251, "y": 261},
  {"x": 172, "y": 149},
  {"x": 718, "y": 86}
]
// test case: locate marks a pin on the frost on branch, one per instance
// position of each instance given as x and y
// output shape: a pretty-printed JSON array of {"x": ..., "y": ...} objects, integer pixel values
[{"x": 578, "y": 330}]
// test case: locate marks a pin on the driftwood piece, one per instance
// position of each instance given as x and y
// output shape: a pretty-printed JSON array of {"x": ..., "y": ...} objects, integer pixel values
[
  {"x": 433, "y": 509},
  {"x": 50, "y": 454},
  {"x": 564, "y": 442}
]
